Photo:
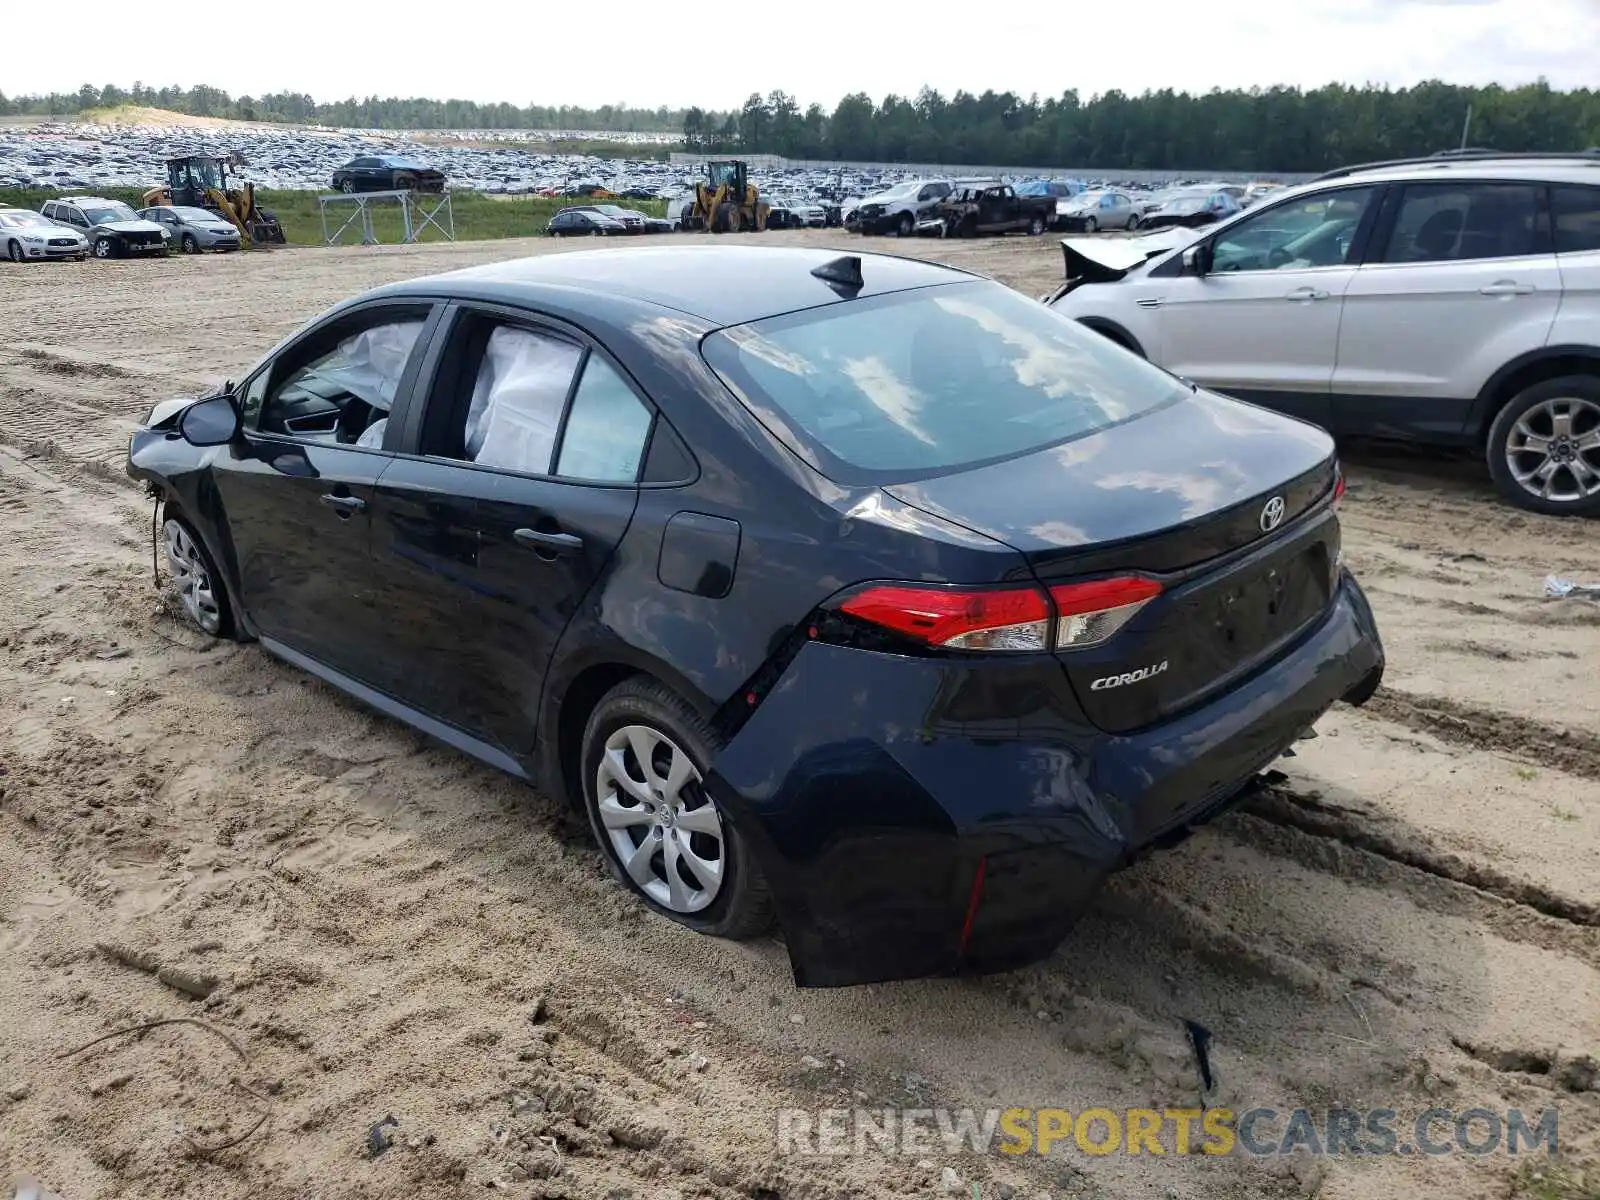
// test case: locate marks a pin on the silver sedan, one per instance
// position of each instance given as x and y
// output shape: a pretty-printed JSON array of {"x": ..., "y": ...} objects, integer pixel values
[{"x": 194, "y": 229}]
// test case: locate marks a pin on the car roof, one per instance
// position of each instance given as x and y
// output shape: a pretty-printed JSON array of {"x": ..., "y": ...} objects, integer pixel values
[
  {"x": 1554, "y": 168},
  {"x": 724, "y": 285}
]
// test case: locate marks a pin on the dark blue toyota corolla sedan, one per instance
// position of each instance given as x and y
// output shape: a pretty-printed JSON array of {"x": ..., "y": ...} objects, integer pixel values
[{"x": 859, "y": 594}]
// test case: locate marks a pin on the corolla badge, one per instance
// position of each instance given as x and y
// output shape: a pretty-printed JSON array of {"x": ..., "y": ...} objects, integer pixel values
[
  {"x": 1139, "y": 676},
  {"x": 1272, "y": 514}
]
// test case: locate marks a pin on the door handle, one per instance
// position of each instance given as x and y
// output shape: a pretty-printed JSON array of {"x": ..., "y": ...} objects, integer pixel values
[
  {"x": 1149, "y": 302},
  {"x": 560, "y": 543},
  {"x": 344, "y": 504},
  {"x": 1305, "y": 293},
  {"x": 1506, "y": 287}
]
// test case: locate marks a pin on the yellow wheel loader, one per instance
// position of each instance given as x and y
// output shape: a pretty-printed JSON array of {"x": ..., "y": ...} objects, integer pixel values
[
  {"x": 201, "y": 181},
  {"x": 726, "y": 202}
]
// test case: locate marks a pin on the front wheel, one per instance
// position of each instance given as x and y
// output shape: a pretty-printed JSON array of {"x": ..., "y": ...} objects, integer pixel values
[
  {"x": 195, "y": 578},
  {"x": 190, "y": 246},
  {"x": 14, "y": 250},
  {"x": 1090, "y": 225},
  {"x": 906, "y": 226},
  {"x": 104, "y": 247},
  {"x": 1544, "y": 447},
  {"x": 645, "y": 757}
]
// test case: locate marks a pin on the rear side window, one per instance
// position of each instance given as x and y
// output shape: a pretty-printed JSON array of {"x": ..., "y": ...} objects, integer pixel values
[
  {"x": 1577, "y": 218},
  {"x": 928, "y": 381},
  {"x": 606, "y": 429},
  {"x": 1448, "y": 222},
  {"x": 517, "y": 400}
]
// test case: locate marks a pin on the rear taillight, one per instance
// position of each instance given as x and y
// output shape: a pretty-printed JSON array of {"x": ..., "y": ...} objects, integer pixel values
[
  {"x": 958, "y": 618},
  {"x": 1089, "y": 613},
  {"x": 1338, "y": 484},
  {"x": 1069, "y": 616}
]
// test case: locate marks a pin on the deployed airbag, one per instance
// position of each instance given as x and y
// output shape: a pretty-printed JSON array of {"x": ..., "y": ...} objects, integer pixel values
[
  {"x": 517, "y": 401},
  {"x": 368, "y": 365}
]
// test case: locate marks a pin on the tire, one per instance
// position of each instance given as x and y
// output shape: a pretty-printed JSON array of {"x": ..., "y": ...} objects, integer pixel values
[
  {"x": 1091, "y": 225},
  {"x": 201, "y": 590},
  {"x": 1133, "y": 222},
  {"x": 190, "y": 246},
  {"x": 104, "y": 247},
  {"x": 1527, "y": 439},
  {"x": 14, "y": 250},
  {"x": 906, "y": 226},
  {"x": 348, "y": 187},
  {"x": 1036, "y": 226},
  {"x": 721, "y": 219},
  {"x": 642, "y": 713}
]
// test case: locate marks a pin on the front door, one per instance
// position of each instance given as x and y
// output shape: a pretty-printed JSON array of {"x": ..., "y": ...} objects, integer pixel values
[
  {"x": 488, "y": 536},
  {"x": 1263, "y": 322},
  {"x": 298, "y": 485}
]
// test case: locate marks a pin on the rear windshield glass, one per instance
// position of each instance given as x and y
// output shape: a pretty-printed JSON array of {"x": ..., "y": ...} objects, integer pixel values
[{"x": 928, "y": 381}]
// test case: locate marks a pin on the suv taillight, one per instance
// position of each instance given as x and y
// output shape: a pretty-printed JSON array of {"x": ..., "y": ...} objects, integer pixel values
[{"x": 1067, "y": 616}]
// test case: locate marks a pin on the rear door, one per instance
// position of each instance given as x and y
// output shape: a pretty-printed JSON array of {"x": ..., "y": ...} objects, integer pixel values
[
  {"x": 1263, "y": 322},
  {"x": 297, "y": 486},
  {"x": 518, "y": 480},
  {"x": 1462, "y": 280}
]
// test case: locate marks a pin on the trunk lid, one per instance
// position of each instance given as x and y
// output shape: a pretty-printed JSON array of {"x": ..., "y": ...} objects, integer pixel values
[{"x": 1182, "y": 494}]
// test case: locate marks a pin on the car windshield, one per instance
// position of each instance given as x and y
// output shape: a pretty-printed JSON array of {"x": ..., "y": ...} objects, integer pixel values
[
  {"x": 115, "y": 210},
  {"x": 196, "y": 214},
  {"x": 929, "y": 381}
]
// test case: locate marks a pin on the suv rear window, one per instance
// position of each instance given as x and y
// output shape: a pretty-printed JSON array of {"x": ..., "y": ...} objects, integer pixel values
[{"x": 930, "y": 381}]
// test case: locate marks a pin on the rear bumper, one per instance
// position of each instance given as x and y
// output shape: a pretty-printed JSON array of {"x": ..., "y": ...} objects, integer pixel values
[{"x": 874, "y": 788}]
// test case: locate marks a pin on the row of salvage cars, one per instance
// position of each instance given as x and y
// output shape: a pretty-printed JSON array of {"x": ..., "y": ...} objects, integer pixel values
[{"x": 77, "y": 227}]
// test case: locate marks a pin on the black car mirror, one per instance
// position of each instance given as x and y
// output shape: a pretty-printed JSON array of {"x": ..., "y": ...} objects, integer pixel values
[{"x": 213, "y": 422}]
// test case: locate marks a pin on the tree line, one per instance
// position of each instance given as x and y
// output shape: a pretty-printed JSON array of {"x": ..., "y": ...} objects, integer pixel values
[
  {"x": 1272, "y": 129},
  {"x": 355, "y": 113}
]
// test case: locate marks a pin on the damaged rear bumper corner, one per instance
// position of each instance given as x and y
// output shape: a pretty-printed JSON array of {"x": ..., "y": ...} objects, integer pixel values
[{"x": 920, "y": 817}]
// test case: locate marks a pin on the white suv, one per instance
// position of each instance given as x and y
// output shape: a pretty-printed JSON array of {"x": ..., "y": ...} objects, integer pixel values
[{"x": 1451, "y": 300}]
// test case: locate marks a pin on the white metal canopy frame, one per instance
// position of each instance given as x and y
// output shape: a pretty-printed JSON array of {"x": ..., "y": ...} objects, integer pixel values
[{"x": 415, "y": 214}]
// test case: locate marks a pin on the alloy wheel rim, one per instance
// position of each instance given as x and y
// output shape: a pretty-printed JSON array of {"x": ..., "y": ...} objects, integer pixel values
[
  {"x": 102, "y": 249},
  {"x": 191, "y": 579},
  {"x": 660, "y": 824},
  {"x": 1553, "y": 450}
]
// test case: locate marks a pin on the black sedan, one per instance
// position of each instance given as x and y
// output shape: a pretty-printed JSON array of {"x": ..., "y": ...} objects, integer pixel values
[
  {"x": 857, "y": 594},
  {"x": 387, "y": 173}
]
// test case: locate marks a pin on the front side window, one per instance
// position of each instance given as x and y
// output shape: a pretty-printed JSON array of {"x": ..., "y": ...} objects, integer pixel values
[
  {"x": 918, "y": 383},
  {"x": 1451, "y": 222},
  {"x": 1313, "y": 231},
  {"x": 1577, "y": 218},
  {"x": 340, "y": 387}
]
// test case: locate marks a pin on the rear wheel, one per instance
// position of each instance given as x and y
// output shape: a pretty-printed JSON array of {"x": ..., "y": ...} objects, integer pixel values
[
  {"x": 196, "y": 579},
  {"x": 1036, "y": 226},
  {"x": 645, "y": 757},
  {"x": 348, "y": 187},
  {"x": 1544, "y": 447},
  {"x": 1133, "y": 222}
]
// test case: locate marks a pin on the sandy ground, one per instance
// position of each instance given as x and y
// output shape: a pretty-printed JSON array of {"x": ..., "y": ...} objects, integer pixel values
[{"x": 1412, "y": 919}]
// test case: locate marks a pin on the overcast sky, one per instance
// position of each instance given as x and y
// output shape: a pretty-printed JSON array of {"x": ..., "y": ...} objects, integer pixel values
[{"x": 650, "y": 52}]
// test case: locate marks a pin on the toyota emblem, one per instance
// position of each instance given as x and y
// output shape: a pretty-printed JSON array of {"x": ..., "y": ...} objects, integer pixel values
[{"x": 1272, "y": 514}]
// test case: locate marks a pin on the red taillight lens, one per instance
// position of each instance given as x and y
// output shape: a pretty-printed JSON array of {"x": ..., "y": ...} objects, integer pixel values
[
  {"x": 1338, "y": 486},
  {"x": 1016, "y": 619},
  {"x": 958, "y": 618},
  {"x": 1091, "y": 612}
]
